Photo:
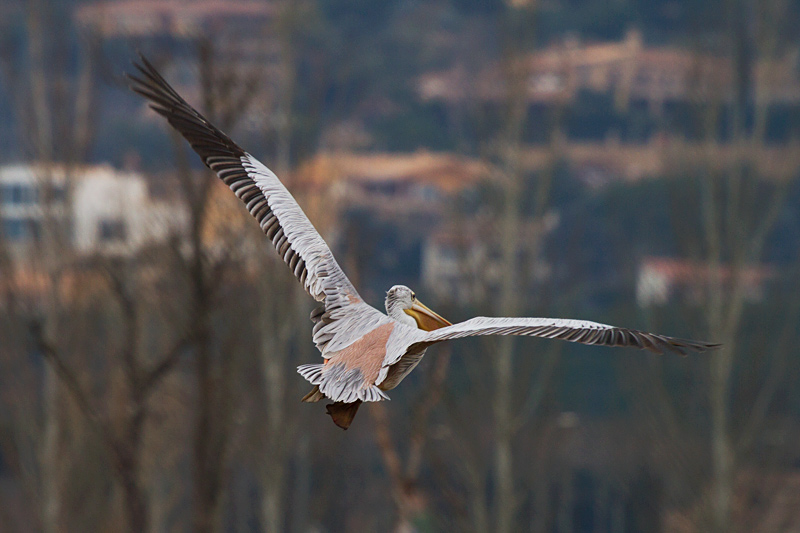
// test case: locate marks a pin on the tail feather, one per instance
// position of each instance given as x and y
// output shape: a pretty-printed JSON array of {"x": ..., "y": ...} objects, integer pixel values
[
  {"x": 313, "y": 373},
  {"x": 343, "y": 413},
  {"x": 336, "y": 382}
]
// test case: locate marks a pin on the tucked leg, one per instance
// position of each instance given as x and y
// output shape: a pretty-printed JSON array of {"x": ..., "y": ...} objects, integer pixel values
[{"x": 343, "y": 413}]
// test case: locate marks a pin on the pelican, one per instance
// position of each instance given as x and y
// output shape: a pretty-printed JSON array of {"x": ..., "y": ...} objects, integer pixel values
[{"x": 365, "y": 352}]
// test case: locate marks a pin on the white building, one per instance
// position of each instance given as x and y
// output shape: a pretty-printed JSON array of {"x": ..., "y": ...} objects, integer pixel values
[
  {"x": 25, "y": 201},
  {"x": 109, "y": 211},
  {"x": 104, "y": 210},
  {"x": 664, "y": 279}
]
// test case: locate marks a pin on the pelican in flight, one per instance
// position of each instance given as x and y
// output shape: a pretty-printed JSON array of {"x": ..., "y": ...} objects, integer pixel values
[{"x": 365, "y": 352}]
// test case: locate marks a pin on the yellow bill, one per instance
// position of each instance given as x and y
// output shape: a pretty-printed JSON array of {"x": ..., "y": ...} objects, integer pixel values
[{"x": 426, "y": 319}]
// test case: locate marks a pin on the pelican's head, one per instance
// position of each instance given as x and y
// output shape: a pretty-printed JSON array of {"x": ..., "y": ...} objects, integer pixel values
[{"x": 403, "y": 306}]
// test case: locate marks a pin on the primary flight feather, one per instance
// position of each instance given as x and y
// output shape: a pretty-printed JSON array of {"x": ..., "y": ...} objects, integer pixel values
[{"x": 365, "y": 351}]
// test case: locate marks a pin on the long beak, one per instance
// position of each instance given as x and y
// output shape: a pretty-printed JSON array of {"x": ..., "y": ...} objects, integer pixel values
[{"x": 426, "y": 319}]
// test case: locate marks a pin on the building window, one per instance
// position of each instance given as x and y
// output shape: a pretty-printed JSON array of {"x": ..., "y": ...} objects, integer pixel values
[
  {"x": 13, "y": 229},
  {"x": 111, "y": 229},
  {"x": 427, "y": 192},
  {"x": 59, "y": 193},
  {"x": 21, "y": 229},
  {"x": 18, "y": 194}
]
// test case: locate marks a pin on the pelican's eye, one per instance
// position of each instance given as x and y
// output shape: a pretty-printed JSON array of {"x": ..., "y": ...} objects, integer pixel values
[{"x": 413, "y": 295}]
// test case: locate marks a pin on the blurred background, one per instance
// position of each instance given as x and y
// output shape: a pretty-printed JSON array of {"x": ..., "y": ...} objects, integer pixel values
[{"x": 634, "y": 162}]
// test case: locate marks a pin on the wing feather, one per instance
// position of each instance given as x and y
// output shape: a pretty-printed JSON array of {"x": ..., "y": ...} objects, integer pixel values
[
  {"x": 280, "y": 217},
  {"x": 415, "y": 341},
  {"x": 581, "y": 331}
]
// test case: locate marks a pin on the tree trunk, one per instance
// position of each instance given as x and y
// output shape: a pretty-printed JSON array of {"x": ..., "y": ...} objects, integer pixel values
[
  {"x": 273, "y": 480},
  {"x": 505, "y": 502},
  {"x": 722, "y": 452},
  {"x": 511, "y": 145},
  {"x": 51, "y": 493},
  {"x": 206, "y": 465},
  {"x": 137, "y": 514}
]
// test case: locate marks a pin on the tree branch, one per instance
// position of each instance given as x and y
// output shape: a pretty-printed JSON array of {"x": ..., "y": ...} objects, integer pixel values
[
  {"x": 419, "y": 432},
  {"x": 70, "y": 380},
  {"x": 156, "y": 373},
  {"x": 390, "y": 456},
  {"x": 758, "y": 412}
]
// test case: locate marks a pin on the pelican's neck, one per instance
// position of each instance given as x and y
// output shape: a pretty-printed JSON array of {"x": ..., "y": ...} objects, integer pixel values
[{"x": 394, "y": 309}]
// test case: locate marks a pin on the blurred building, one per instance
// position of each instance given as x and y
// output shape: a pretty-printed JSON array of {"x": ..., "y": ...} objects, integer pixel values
[
  {"x": 462, "y": 262},
  {"x": 597, "y": 164},
  {"x": 25, "y": 201},
  {"x": 389, "y": 184},
  {"x": 628, "y": 69},
  {"x": 240, "y": 28},
  {"x": 663, "y": 279},
  {"x": 238, "y": 35},
  {"x": 384, "y": 207},
  {"x": 98, "y": 208},
  {"x": 179, "y": 19}
]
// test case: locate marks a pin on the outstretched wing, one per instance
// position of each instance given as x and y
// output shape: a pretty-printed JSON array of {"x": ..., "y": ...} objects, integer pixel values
[
  {"x": 581, "y": 331},
  {"x": 279, "y": 215}
]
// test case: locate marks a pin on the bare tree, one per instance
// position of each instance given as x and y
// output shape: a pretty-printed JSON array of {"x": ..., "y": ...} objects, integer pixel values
[
  {"x": 122, "y": 438},
  {"x": 740, "y": 201},
  {"x": 404, "y": 473},
  {"x": 735, "y": 230},
  {"x": 516, "y": 50},
  {"x": 205, "y": 266},
  {"x": 50, "y": 110}
]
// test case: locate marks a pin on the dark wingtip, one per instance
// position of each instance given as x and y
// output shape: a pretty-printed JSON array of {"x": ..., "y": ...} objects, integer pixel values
[
  {"x": 134, "y": 82},
  {"x": 711, "y": 346},
  {"x": 145, "y": 68},
  {"x": 700, "y": 347},
  {"x": 142, "y": 63}
]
